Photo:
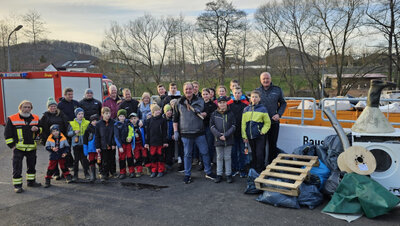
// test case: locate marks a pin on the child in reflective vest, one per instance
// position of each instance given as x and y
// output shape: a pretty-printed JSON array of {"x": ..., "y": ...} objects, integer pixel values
[{"x": 58, "y": 147}]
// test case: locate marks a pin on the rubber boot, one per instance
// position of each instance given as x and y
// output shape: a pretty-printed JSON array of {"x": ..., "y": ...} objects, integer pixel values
[
  {"x": 47, "y": 183},
  {"x": 92, "y": 173}
]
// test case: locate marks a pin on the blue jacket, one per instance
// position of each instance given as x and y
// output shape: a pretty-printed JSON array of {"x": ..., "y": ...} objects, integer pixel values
[
  {"x": 122, "y": 132},
  {"x": 61, "y": 143},
  {"x": 273, "y": 99},
  {"x": 89, "y": 139}
]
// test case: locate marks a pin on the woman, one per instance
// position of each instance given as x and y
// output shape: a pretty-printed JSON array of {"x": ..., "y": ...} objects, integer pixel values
[
  {"x": 144, "y": 106},
  {"x": 52, "y": 116}
]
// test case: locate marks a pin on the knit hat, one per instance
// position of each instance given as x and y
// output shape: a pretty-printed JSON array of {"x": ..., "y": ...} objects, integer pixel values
[
  {"x": 77, "y": 110},
  {"x": 223, "y": 98},
  {"x": 167, "y": 107},
  {"x": 54, "y": 127},
  {"x": 154, "y": 108},
  {"x": 51, "y": 101},
  {"x": 94, "y": 117},
  {"x": 122, "y": 112},
  {"x": 133, "y": 114},
  {"x": 88, "y": 90}
]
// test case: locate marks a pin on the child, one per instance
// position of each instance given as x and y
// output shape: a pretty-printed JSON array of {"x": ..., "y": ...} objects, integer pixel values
[
  {"x": 105, "y": 143},
  {"x": 255, "y": 124},
  {"x": 89, "y": 147},
  {"x": 58, "y": 147},
  {"x": 139, "y": 152},
  {"x": 123, "y": 138},
  {"x": 76, "y": 130},
  {"x": 239, "y": 159},
  {"x": 170, "y": 150},
  {"x": 222, "y": 125},
  {"x": 156, "y": 140}
]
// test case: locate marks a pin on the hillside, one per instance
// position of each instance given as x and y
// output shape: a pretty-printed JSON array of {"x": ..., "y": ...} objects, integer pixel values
[{"x": 47, "y": 51}]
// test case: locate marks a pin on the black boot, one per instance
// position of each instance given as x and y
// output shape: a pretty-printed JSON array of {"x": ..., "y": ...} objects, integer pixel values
[
  {"x": 47, "y": 184},
  {"x": 92, "y": 173},
  {"x": 32, "y": 183}
]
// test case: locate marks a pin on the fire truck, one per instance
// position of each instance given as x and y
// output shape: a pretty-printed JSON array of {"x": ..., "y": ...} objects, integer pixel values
[{"x": 37, "y": 87}]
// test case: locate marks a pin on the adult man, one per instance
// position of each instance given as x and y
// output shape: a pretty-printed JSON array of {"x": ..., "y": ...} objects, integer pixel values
[
  {"x": 90, "y": 105},
  {"x": 196, "y": 87},
  {"x": 67, "y": 104},
  {"x": 129, "y": 104},
  {"x": 172, "y": 94},
  {"x": 272, "y": 98},
  {"x": 162, "y": 93},
  {"x": 112, "y": 101},
  {"x": 20, "y": 133},
  {"x": 190, "y": 126}
]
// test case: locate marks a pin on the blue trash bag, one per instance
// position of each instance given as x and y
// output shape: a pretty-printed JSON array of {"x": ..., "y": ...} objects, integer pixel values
[
  {"x": 310, "y": 196},
  {"x": 322, "y": 171},
  {"x": 251, "y": 186},
  {"x": 278, "y": 199}
]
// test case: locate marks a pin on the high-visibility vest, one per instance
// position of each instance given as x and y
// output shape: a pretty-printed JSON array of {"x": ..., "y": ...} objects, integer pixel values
[
  {"x": 81, "y": 127},
  {"x": 17, "y": 121}
]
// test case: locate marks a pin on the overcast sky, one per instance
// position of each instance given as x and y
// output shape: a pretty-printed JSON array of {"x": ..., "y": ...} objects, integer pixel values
[{"x": 86, "y": 20}]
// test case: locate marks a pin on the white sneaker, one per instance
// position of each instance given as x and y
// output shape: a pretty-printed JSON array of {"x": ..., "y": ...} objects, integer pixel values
[{"x": 179, "y": 160}]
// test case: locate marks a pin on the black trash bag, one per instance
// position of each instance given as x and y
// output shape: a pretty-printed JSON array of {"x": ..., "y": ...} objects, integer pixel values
[
  {"x": 278, "y": 199},
  {"x": 251, "y": 186},
  {"x": 334, "y": 146},
  {"x": 310, "y": 196},
  {"x": 322, "y": 153},
  {"x": 332, "y": 183},
  {"x": 306, "y": 149}
]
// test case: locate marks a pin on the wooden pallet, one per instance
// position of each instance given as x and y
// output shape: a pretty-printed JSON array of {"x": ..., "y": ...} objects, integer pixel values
[{"x": 293, "y": 169}]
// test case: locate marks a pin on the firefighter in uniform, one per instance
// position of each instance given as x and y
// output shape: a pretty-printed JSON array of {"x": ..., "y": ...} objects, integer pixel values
[{"x": 20, "y": 134}]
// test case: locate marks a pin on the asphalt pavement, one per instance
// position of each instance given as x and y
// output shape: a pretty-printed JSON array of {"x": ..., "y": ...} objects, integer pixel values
[{"x": 148, "y": 201}]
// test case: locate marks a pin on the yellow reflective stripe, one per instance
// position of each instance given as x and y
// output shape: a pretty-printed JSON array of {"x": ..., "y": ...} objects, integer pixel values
[
  {"x": 20, "y": 136},
  {"x": 16, "y": 181},
  {"x": 9, "y": 140},
  {"x": 30, "y": 176}
]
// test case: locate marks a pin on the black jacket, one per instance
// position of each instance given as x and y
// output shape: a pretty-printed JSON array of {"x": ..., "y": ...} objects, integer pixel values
[
  {"x": 209, "y": 108},
  {"x": 273, "y": 99},
  {"x": 105, "y": 134},
  {"x": 10, "y": 131},
  {"x": 237, "y": 106},
  {"x": 90, "y": 107},
  {"x": 223, "y": 123},
  {"x": 68, "y": 108},
  {"x": 48, "y": 119},
  {"x": 130, "y": 106},
  {"x": 156, "y": 131},
  {"x": 168, "y": 99}
]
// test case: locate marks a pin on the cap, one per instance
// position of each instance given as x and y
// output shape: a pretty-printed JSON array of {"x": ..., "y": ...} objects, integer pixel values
[
  {"x": 133, "y": 114},
  {"x": 77, "y": 110},
  {"x": 122, "y": 112},
  {"x": 54, "y": 127},
  {"x": 223, "y": 98},
  {"x": 94, "y": 117}
]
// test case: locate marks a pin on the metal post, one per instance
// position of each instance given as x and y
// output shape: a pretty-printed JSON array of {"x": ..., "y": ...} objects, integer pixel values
[{"x": 8, "y": 46}]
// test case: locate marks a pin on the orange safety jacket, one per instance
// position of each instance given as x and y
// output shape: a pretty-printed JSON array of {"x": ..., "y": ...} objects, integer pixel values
[{"x": 18, "y": 132}]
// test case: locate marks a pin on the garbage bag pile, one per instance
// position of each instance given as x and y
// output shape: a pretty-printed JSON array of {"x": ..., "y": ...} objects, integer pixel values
[{"x": 351, "y": 193}]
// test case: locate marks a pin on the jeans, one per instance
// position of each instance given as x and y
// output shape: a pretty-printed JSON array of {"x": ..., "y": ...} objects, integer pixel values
[
  {"x": 210, "y": 143},
  {"x": 224, "y": 155},
  {"x": 238, "y": 157},
  {"x": 201, "y": 143}
]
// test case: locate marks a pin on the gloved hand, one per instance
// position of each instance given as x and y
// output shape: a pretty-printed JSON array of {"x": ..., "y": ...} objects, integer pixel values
[{"x": 176, "y": 135}]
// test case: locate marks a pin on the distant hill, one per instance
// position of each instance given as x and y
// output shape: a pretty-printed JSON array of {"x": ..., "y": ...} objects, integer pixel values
[
  {"x": 277, "y": 56},
  {"x": 46, "y": 52}
]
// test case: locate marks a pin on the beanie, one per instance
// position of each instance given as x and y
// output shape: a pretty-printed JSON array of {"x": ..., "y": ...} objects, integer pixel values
[
  {"x": 122, "y": 112},
  {"x": 77, "y": 110},
  {"x": 167, "y": 107},
  {"x": 94, "y": 117},
  {"x": 51, "y": 101}
]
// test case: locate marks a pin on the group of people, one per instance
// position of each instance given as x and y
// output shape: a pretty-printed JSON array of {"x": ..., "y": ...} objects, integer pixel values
[{"x": 146, "y": 137}]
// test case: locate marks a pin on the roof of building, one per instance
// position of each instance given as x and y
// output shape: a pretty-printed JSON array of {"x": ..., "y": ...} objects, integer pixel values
[{"x": 372, "y": 75}]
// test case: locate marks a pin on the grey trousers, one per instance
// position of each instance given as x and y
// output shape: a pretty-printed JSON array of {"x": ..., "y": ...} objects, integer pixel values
[{"x": 224, "y": 154}]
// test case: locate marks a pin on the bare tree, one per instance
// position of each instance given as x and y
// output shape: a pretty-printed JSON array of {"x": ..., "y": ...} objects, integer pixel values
[
  {"x": 142, "y": 45},
  {"x": 383, "y": 15},
  {"x": 219, "y": 23},
  {"x": 338, "y": 21},
  {"x": 34, "y": 28}
]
